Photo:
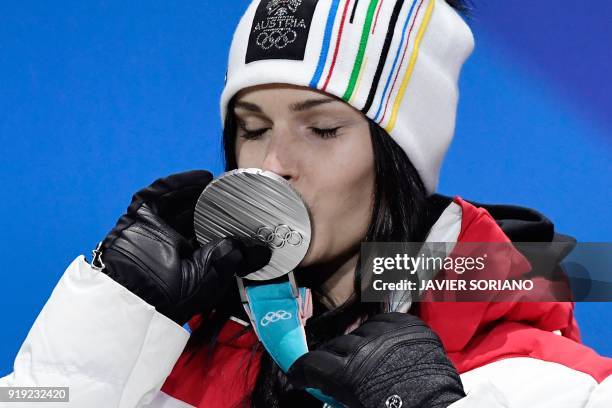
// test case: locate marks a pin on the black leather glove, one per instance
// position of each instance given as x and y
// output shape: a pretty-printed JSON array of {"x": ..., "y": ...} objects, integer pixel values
[
  {"x": 153, "y": 251},
  {"x": 393, "y": 360}
]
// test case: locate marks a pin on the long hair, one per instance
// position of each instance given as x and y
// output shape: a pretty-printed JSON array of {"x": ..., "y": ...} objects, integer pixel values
[{"x": 400, "y": 212}]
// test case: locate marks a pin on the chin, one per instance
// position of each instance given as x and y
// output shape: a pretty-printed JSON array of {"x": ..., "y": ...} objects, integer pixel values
[
  {"x": 316, "y": 253},
  {"x": 309, "y": 259},
  {"x": 306, "y": 276}
]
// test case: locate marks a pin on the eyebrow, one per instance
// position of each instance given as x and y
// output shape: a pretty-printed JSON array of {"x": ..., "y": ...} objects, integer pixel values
[
  {"x": 295, "y": 107},
  {"x": 308, "y": 104}
]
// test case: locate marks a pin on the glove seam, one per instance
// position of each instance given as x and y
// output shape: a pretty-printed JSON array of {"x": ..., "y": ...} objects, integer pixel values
[
  {"x": 150, "y": 223},
  {"x": 141, "y": 201},
  {"x": 143, "y": 233},
  {"x": 137, "y": 260},
  {"x": 132, "y": 222}
]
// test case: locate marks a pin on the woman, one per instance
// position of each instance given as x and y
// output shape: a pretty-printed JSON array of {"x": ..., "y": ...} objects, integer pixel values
[{"x": 352, "y": 102}]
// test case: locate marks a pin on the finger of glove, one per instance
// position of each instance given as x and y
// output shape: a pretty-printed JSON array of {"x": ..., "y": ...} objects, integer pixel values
[
  {"x": 210, "y": 270},
  {"x": 382, "y": 323},
  {"x": 240, "y": 256},
  {"x": 344, "y": 346},
  {"x": 228, "y": 257},
  {"x": 174, "y": 198},
  {"x": 316, "y": 369}
]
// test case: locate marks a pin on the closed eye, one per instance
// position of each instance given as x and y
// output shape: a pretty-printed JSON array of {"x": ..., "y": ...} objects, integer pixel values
[
  {"x": 326, "y": 133},
  {"x": 323, "y": 133},
  {"x": 251, "y": 134}
]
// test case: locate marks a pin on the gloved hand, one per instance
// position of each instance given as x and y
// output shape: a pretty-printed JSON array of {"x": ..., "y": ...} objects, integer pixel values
[
  {"x": 153, "y": 251},
  {"x": 393, "y": 360}
]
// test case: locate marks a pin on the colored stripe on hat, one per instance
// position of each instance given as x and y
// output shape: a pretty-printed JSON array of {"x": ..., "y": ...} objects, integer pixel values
[
  {"x": 397, "y": 55},
  {"x": 408, "y": 74},
  {"x": 338, "y": 40},
  {"x": 331, "y": 18},
  {"x": 363, "y": 43},
  {"x": 365, "y": 63},
  {"x": 377, "y": 14},
  {"x": 383, "y": 55},
  {"x": 354, "y": 11},
  {"x": 396, "y": 76}
]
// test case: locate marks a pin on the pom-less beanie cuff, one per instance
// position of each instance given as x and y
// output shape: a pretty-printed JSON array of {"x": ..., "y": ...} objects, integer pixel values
[{"x": 397, "y": 61}]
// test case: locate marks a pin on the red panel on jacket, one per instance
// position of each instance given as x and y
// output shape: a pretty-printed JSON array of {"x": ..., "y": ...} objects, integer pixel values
[
  {"x": 227, "y": 379},
  {"x": 478, "y": 333},
  {"x": 473, "y": 334}
]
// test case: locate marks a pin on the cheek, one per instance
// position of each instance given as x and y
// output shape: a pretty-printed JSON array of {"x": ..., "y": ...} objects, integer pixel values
[
  {"x": 248, "y": 153},
  {"x": 342, "y": 204},
  {"x": 354, "y": 184}
]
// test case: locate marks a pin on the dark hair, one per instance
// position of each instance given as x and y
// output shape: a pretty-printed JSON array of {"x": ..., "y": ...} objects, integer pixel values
[
  {"x": 400, "y": 213},
  {"x": 464, "y": 7}
]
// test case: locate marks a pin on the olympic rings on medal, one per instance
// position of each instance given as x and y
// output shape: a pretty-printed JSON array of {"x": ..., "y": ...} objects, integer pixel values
[
  {"x": 279, "y": 38},
  {"x": 273, "y": 317},
  {"x": 280, "y": 236}
]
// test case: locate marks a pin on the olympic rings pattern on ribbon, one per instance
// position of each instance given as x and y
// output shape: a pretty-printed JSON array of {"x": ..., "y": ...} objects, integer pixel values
[{"x": 273, "y": 317}]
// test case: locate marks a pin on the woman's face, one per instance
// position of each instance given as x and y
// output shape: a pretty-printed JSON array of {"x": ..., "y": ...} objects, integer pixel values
[{"x": 322, "y": 146}]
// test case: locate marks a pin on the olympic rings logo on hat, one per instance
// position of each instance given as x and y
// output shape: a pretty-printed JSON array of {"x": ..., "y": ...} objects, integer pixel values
[
  {"x": 280, "y": 236},
  {"x": 273, "y": 317},
  {"x": 280, "y": 38}
]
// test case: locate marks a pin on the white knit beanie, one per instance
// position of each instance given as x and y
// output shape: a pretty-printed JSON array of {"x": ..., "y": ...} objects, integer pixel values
[{"x": 397, "y": 61}]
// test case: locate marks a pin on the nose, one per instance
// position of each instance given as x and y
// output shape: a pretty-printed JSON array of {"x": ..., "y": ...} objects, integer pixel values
[{"x": 280, "y": 156}]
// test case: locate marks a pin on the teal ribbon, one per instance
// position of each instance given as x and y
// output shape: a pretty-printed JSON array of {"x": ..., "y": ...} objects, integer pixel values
[{"x": 275, "y": 313}]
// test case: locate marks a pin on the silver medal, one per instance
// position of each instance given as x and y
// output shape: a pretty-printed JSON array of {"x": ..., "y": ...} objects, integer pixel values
[{"x": 258, "y": 204}]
